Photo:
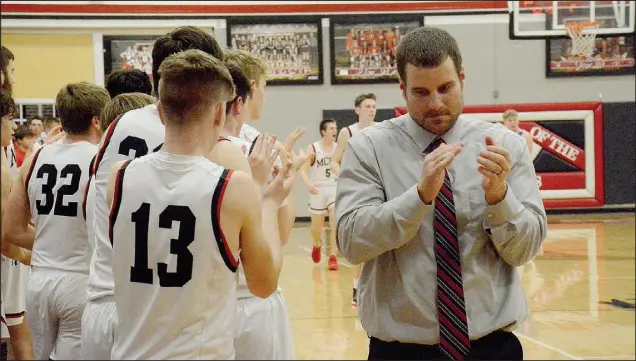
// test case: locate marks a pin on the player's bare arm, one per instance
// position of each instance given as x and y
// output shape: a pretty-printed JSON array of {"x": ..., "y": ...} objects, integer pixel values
[
  {"x": 336, "y": 157},
  {"x": 9, "y": 249},
  {"x": 254, "y": 230},
  {"x": 16, "y": 228},
  {"x": 229, "y": 156},
  {"x": 304, "y": 170},
  {"x": 529, "y": 140}
]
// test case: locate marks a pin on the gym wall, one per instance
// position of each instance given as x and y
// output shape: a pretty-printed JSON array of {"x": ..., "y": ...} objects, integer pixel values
[
  {"x": 498, "y": 71},
  {"x": 44, "y": 63}
]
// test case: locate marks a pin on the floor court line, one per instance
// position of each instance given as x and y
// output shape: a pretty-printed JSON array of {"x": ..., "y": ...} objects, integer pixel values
[
  {"x": 545, "y": 345},
  {"x": 611, "y": 357},
  {"x": 340, "y": 262}
]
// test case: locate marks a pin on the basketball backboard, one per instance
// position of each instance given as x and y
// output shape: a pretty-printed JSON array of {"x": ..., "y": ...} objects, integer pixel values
[{"x": 547, "y": 19}]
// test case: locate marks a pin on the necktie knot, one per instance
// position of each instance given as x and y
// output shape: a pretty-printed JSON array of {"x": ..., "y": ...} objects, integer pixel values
[{"x": 434, "y": 144}]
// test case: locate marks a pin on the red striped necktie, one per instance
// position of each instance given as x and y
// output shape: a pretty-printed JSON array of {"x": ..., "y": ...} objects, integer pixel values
[{"x": 451, "y": 310}]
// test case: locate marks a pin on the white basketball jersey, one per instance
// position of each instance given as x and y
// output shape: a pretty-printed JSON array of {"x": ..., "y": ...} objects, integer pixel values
[
  {"x": 242, "y": 290},
  {"x": 175, "y": 280},
  {"x": 135, "y": 134},
  {"x": 248, "y": 133},
  {"x": 320, "y": 172},
  {"x": 55, "y": 185}
]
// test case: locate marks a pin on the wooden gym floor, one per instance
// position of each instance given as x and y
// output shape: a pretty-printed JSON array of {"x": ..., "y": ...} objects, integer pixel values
[{"x": 588, "y": 262}]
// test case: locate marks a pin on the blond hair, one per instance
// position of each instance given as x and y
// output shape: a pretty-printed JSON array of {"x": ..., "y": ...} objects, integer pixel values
[
  {"x": 510, "y": 113},
  {"x": 253, "y": 67},
  {"x": 122, "y": 103},
  {"x": 78, "y": 103},
  {"x": 191, "y": 83}
]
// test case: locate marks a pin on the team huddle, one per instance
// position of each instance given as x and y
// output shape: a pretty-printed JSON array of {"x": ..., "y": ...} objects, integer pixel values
[{"x": 138, "y": 219}]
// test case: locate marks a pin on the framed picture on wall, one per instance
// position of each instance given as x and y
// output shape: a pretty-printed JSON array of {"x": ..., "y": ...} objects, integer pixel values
[
  {"x": 363, "y": 48},
  {"x": 128, "y": 52},
  {"x": 613, "y": 55},
  {"x": 290, "y": 47}
]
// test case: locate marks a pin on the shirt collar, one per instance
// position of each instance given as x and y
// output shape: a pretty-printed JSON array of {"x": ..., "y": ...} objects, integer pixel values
[{"x": 423, "y": 138}]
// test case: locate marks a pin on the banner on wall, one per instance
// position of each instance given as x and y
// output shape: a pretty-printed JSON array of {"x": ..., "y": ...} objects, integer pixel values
[{"x": 568, "y": 151}]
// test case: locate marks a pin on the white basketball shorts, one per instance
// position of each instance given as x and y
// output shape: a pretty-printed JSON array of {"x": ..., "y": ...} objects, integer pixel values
[
  {"x": 55, "y": 304},
  {"x": 98, "y": 329},
  {"x": 263, "y": 331},
  {"x": 321, "y": 202}
]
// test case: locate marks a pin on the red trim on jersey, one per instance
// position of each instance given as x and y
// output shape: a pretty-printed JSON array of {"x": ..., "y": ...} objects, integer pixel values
[
  {"x": 314, "y": 158},
  {"x": 14, "y": 315},
  {"x": 114, "y": 208},
  {"x": 102, "y": 149},
  {"x": 30, "y": 172},
  {"x": 217, "y": 199},
  {"x": 88, "y": 184},
  {"x": 224, "y": 138}
]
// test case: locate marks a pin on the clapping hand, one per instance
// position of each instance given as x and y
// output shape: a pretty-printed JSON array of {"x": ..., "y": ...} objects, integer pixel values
[{"x": 494, "y": 165}]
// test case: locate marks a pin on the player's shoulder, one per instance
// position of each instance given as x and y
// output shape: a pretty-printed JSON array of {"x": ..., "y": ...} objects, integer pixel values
[
  {"x": 379, "y": 131},
  {"x": 136, "y": 117},
  {"x": 7, "y": 180},
  {"x": 236, "y": 184},
  {"x": 477, "y": 127}
]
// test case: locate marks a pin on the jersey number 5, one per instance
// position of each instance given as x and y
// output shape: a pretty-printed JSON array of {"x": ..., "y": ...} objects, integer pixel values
[
  {"x": 139, "y": 272},
  {"x": 57, "y": 200}
]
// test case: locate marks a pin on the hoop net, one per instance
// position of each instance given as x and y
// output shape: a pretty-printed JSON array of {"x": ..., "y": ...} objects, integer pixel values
[{"x": 583, "y": 41}]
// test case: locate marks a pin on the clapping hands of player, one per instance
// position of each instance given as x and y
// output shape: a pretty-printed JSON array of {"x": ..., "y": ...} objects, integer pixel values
[
  {"x": 494, "y": 165},
  {"x": 262, "y": 158},
  {"x": 290, "y": 142},
  {"x": 54, "y": 135}
]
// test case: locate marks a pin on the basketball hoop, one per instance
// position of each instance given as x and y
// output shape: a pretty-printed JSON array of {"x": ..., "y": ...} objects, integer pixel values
[{"x": 583, "y": 41}]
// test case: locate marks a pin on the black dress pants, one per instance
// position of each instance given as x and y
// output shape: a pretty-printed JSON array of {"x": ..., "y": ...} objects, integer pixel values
[{"x": 499, "y": 345}]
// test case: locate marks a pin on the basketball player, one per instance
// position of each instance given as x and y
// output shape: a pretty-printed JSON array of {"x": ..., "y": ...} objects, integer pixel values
[
  {"x": 511, "y": 121},
  {"x": 50, "y": 191},
  {"x": 322, "y": 190},
  {"x": 14, "y": 325},
  {"x": 120, "y": 104},
  {"x": 365, "y": 109},
  {"x": 264, "y": 331},
  {"x": 133, "y": 135},
  {"x": 15, "y": 274},
  {"x": 187, "y": 284}
]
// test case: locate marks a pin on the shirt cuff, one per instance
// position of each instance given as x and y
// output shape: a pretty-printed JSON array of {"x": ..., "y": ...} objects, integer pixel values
[
  {"x": 412, "y": 206},
  {"x": 502, "y": 212}
]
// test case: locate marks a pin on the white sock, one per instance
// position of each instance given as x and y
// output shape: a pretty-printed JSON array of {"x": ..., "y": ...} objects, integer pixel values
[{"x": 355, "y": 283}]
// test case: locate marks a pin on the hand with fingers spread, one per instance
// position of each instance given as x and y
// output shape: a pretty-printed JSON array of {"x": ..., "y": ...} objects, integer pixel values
[
  {"x": 262, "y": 158},
  {"x": 298, "y": 160},
  {"x": 54, "y": 135},
  {"x": 494, "y": 165},
  {"x": 433, "y": 171},
  {"x": 290, "y": 142},
  {"x": 278, "y": 189}
]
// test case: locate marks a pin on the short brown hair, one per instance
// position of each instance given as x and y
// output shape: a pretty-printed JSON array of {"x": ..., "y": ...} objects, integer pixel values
[
  {"x": 362, "y": 97},
  {"x": 191, "y": 83},
  {"x": 253, "y": 67},
  {"x": 180, "y": 39},
  {"x": 427, "y": 47},
  {"x": 7, "y": 105},
  {"x": 5, "y": 57},
  {"x": 122, "y": 103},
  {"x": 23, "y": 131},
  {"x": 78, "y": 103}
]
